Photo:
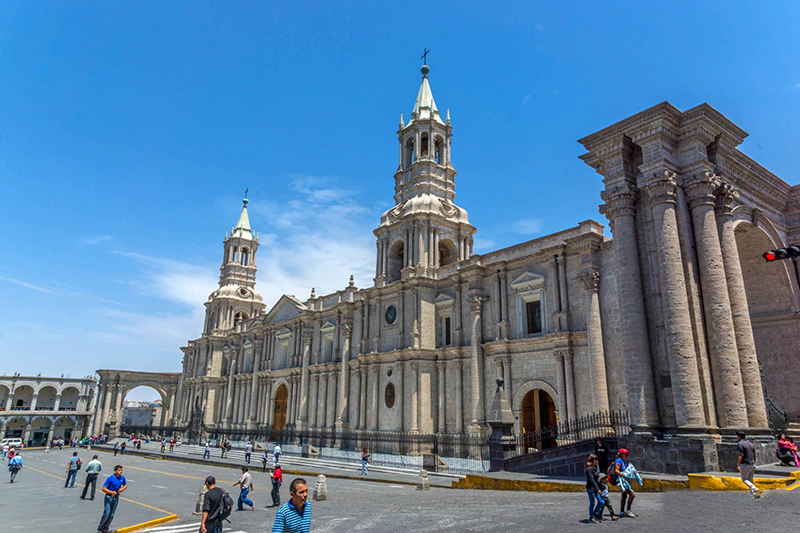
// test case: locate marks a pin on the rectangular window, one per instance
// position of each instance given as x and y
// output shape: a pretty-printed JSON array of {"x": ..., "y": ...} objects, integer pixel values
[
  {"x": 447, "y": 332},
  {"x": 534, "y": 315}
]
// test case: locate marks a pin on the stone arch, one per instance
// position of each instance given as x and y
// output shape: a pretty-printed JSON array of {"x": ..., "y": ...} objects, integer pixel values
[
  {"x": 280, "y": 411},
  {"x": 448, "y": 252},
  {"x": 22, "y": 396},
  {"x": 772, "y": 303},
  {"x": 46, "y": 398},
  {"x": 397, "y": 260},
  {"x": 535, "y": 409},
  {"x": 39, "y": 433},
  {"x": 528, "y": 386},
  {"x": 69, "y": 398},
  {"x": 114, "y": 386},
  {"x": 15, "y": 427},
  {"x": 5, "y": 394}
]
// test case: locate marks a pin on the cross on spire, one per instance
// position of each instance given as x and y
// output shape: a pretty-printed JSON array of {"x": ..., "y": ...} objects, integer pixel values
[
  {"x": 425, "y": 56},
  {"x": 246, "y": 191}
]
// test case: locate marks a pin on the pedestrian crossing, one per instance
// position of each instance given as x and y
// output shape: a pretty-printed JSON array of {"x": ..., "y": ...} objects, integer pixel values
[{"x": 185, "y": 528}]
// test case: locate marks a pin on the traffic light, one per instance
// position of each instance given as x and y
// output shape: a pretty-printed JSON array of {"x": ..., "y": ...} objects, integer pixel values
[{"x": 782, "y": 253}]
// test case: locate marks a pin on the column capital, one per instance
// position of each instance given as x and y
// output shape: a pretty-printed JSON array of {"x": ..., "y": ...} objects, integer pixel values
[
  {"x": 476, "y": 302},
  {"x": 700, "y": 187},
  {"x": 376, "y": 369},
  {"x": 441, "y": 365},
  {"x": 457, "y": 364},
  {"x": 620, "y": 200},
  {"x": 414, "y": 367},
  {"x": 591, "y": 280},
  {"x": 660, "y": 187},
  {"x": 563, "y": 355},
  {"x": 726, "y": 196},
  {"x": 307, "y": 338},
  {"x": 347, "y": 329}
]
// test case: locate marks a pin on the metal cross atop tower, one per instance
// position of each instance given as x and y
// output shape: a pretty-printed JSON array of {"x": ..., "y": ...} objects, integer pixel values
[
  {"x": 246, "y": 191},
  {"x": 425, "y": 56}
]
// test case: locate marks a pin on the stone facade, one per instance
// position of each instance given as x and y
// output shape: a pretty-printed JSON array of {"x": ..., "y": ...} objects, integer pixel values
[
  {"x": 669, "y": 320},
  {"x": 38, "y": 409}
]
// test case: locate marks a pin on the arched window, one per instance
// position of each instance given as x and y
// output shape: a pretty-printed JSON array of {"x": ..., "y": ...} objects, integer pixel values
[
  {"x": 397, "y": 257},
  {"x": 439, "y": 151},
  {"x": 241, "y": 316},
  {"x": 424, "y": 150},
  {"x": 233, "y": 255},
  {"x": 409, "y": 152},
  {"x": 448, "y": 253},
  {"x": 245, "y": 256}
]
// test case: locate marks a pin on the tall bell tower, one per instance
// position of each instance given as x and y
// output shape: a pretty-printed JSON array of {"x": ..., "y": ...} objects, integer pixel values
[
  {"x": 425, "y": 230},
  {"x": 236, "y": 300}
]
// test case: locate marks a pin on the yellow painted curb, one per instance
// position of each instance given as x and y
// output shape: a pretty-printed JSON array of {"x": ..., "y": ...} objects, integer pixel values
[
  {"x": 477, "y": 482},
  {"x": 151, "y": 523},
  {"x": 718, "y": 483}
]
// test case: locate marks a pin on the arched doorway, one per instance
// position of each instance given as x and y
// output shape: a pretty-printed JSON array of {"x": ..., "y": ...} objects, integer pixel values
[
  {"x": 538, "y": 416},
  {"x": 143, "y": 406},
  {"x": 281, "y": 402},
  {"x": 772, "y": 306}
]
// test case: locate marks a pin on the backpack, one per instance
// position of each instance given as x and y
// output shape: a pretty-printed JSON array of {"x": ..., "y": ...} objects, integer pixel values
[
  {"x": 613, "y": 477},
  {"x": 79, "y": 464},
  {"x": 226, "y": 507}
]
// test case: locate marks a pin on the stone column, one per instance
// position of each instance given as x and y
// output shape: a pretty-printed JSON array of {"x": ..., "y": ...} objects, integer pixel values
[
  {"x": 507, "y": 375},
  {"x": 330, "y": 411},
  {"x": 620, "y": 207},
  {"x": 374, "y": 372},
  {"x": 344, "y": 381},
  {"x": 459, "y": 396},
  {"x": 313, "y": 401},
  {"x": 476, "y": 307},
  {"x": 363, "y": 384},
  {"x": 594, "y": 333},
  {"x": 34, "y": 401},
  {"x": 561, "y": 388},
  {"x": 400, "y": 401},
  {"x": 562, "y": 287},
  {"x": 254, "y": 389},
  {"x": 727, "y": 375},
  {"x": 414, "y": 426},
  {"x": 570, "y": 382},
  {"x": 229, "y": 392},
  {"x": 685, "y": 379},
  {"x": 322, "y": 399},
  {"x": 441, "y": 367},
  {"x": 745, "y": 343},
  {"x": 57, "y": 405},
  {"x": 302, "y": 421}
]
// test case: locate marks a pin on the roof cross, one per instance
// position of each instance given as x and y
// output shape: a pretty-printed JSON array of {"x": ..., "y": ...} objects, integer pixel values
[
  {"x": 246, "y": 191},
  {"x": 425, "y": 56}
]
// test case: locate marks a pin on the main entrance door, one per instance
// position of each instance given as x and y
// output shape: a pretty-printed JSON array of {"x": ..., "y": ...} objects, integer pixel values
[
  {"x": 281, "y": 402},
  {"x": 539, "y": 421}
]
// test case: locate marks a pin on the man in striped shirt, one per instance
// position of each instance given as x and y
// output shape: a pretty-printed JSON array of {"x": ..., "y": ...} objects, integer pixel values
[{"x": 294, "y": 516}]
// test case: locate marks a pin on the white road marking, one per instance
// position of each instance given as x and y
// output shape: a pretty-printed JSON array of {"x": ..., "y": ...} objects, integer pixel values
[
  {"x": 160, "y": 487},
  {"x": 180, "y": 528}
]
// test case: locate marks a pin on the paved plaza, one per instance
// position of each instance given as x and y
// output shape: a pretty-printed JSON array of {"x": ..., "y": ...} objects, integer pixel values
[{"x": 38, "y": 502}]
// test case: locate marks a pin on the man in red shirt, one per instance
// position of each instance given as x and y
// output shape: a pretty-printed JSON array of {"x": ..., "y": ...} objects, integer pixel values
[{"x": 277, "y": 480}]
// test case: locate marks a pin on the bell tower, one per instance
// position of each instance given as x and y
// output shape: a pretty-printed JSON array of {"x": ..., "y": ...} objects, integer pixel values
[
  {"x": 425, "y": 230},
  {"x": 236, "y": 300}
]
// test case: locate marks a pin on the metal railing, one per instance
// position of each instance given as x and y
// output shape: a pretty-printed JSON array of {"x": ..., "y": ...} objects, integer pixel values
[{"x": 591, "y": 426}]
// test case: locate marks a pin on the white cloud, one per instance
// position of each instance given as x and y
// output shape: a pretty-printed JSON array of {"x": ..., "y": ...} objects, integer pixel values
[
  {"x": 27, "y": 285},
  {"x": 527, "y": 226},
  {"x": 526, "y": 99},
  {"x": 483, "y": 245},
  {"x": 94, "y": 241},
  {"x": 539, "y": 27}
]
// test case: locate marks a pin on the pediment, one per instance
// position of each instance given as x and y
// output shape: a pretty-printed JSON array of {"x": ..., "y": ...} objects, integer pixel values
[
  {"x": 527, "y": 280},
  {"x": 286, "y": 308},
  {"x": 444, "y": 299},
  {"x": 328, "y": 326}
]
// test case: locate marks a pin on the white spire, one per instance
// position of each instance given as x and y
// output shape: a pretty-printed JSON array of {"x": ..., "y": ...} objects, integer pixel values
[{"x": 425, "y": 106}]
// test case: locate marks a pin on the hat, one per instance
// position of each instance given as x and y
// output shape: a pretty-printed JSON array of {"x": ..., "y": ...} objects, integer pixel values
[
  {"x": 211, "y": 480},
  {"x": 623, "y": 450}
]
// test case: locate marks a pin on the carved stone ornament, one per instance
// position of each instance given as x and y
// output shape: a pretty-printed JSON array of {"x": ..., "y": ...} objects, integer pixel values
[
  {"x": 347, "y": 329},
  {"x": 619, "y": 201},
  {"x": 661, "y": 187},
  {"x": 307, "y": 338},
  {"x": 446, "y": 208},
  {"x": 726, "y": 196},
  {"x": 700, "y": 188},
  {"x": 397, "y": 211},
  {"x": 591, "y": 280},
  {"x": 476, "y": 303}
]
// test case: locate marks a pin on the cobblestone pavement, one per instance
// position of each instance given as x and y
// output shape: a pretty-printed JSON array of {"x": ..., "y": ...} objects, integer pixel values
[{"x": 383, "y": 507}]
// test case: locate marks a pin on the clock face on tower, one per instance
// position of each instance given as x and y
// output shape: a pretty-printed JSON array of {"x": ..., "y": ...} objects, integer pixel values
[{"x": 391, "y": 314}]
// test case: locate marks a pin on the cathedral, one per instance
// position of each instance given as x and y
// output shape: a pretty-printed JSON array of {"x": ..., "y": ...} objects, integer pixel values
[{"x": 676, "y": 320}]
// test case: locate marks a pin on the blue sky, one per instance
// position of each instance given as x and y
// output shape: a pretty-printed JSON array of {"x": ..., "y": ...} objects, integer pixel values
[{"x": 129, "y": 132}]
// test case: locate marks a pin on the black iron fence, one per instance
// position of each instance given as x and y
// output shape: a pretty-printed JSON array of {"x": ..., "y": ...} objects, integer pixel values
[{"x": 591, "y": 426}]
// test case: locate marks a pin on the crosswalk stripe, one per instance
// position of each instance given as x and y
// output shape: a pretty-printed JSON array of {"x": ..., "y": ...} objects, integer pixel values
[{"x": 180, "y": 529}]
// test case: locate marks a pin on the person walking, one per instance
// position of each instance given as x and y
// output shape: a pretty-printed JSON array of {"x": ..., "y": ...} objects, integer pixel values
[
  {"x": 224, "y": 448},
  {"x": 246, "y": 485},
  {"x": 620, "y": 466},
  {"x": 14, "y": 466},
  {"x": 264, "y": 460},
  {"x": 207, "y": 452},
  {"x": 277, "y": 480},
  {"x": 172, "y": 445},
  {"x": 276, "y": 454},
  {"x": 747, "y": 463},
  {"x": 11, "y": 453},
  {"x": 5, "y": 450},
  {"x": 163, "y": 444},
  {"x": 364, "y": 462},
  {"x": 122, "y": 448},
  {"x": 116, "y": 448},
  {"x": 294, "y": 516},
  {"x": 73, "y": 465},
  {"x": 593, "y": 488},
  {"x": 212, "y": 507},
  {"x": 92, "y": 471},
  {"x": 114, "y": 485},
  {"x": 601, "y": 451},
  {"x": 603, "y": 484},
  {"x": 248, "y": 450}
]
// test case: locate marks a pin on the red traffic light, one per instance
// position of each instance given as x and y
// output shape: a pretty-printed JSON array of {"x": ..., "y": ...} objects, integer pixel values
[{"x": 769, "y": 256}]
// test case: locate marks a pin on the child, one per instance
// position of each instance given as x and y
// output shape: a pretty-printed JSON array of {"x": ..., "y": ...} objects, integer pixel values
[{"x": 606, "y": 499}]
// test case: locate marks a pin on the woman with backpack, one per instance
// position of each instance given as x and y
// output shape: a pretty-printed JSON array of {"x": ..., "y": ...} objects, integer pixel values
[{"x": 625, "y": 474}]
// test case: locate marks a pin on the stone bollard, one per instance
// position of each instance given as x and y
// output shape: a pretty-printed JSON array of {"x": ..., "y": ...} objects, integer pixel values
[
  {"x": 423, "y": 483},
  {"x": 198, "y": 508},
  {"x": 321, "y": 490}
]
